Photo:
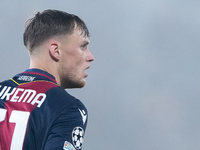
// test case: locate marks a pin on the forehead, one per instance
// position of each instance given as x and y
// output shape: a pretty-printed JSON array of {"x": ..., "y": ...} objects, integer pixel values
[
  {"x": 77, "y": 37},
  {"x": 78, "y": 33}
]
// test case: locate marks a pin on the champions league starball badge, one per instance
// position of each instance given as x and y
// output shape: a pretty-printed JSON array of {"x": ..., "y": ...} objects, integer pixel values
[{"x": 77, "y": 137}]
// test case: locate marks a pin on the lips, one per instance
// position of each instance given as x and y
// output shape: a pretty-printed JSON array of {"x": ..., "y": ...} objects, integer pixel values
[
  {"x": 85, "y": 74},
  {"x": 87, "y": 67}
]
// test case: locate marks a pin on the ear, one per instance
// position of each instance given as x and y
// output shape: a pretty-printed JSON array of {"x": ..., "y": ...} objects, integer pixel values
[{"x": 54, "y": 50}]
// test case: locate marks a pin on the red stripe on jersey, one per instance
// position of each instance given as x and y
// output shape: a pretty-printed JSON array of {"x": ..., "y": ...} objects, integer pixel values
[
  {"x": 9, "y": 125},
  {"x": 41, "y": 75}
]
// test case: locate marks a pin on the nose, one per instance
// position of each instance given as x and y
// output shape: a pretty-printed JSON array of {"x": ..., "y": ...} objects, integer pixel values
[{"x": 89, "y": 57}]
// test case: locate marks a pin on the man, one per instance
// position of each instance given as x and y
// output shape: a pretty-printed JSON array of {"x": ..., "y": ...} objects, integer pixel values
[{"x": 36, "y": 113}]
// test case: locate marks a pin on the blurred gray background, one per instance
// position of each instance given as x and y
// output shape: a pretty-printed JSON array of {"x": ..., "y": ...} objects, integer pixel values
[{"x": 142, "y": 91}]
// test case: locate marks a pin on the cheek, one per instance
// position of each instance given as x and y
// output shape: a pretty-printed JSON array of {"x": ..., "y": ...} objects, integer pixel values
[
  {"x": 73, "y": 61},
  {"x": 78, "y": 62}
]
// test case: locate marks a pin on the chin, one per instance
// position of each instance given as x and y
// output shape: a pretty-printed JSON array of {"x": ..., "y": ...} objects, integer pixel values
[
  {"x": 74, "y": 84},
  {"x": 82, "y": 84}
]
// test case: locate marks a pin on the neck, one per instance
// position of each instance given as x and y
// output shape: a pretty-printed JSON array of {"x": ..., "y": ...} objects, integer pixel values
[{"x": 47, "y": 66}]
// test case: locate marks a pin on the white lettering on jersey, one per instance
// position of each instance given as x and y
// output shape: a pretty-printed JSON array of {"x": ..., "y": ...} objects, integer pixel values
[
  {"x": 15, "y": 97},
  {"x": 38, "y": 100},
  {"x": 22, "y": 95},
  {"x": 26, "y": 78},
  {"x": 3, "y": 90},
  {"x": 7, "y": 94},
  {"x": 29, "y": 94}
]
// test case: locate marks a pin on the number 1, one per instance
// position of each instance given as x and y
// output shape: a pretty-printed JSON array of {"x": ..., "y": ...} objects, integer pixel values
[{"x": 21, "y": 119}]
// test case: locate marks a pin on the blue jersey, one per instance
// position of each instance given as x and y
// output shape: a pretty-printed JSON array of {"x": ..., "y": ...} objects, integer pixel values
[{"x": 37, "y": 114}]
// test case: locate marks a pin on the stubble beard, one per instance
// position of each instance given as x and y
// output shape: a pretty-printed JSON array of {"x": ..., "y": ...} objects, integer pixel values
[{"x": 70, "y": 80}]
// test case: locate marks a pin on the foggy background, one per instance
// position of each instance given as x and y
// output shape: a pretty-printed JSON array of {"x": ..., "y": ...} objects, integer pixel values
[{"x": 142, "y": 92}]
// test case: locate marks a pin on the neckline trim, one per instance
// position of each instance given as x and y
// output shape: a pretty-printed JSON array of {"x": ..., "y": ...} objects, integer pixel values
[{"x": 41, "y": 73}]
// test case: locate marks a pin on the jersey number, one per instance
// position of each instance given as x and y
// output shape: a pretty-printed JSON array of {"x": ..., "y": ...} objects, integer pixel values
[{"x": 20, "y": 118}]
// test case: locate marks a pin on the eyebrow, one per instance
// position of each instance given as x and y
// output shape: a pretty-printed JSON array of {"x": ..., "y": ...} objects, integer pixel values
[{"x": 84, "y": 43}]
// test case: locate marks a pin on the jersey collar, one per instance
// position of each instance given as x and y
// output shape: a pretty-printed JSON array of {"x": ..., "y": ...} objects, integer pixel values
[{"x": 41, "y": 73}]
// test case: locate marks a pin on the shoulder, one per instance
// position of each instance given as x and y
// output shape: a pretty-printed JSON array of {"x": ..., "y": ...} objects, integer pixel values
[
  {"x": 60, "y": 100},
  {"x": 61, "y": 95},
  {"x": 7, "y": 83}
]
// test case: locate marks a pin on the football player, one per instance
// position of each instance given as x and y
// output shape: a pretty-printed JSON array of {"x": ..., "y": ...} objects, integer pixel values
[{"x": 36, "y": 113}]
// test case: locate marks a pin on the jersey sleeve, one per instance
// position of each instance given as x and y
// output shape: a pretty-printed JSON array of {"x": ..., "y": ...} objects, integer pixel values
[{"x": 67, "y": 131}]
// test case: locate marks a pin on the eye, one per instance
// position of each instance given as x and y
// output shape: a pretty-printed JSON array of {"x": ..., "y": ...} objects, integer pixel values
[{"x": 84, "y": 47}]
